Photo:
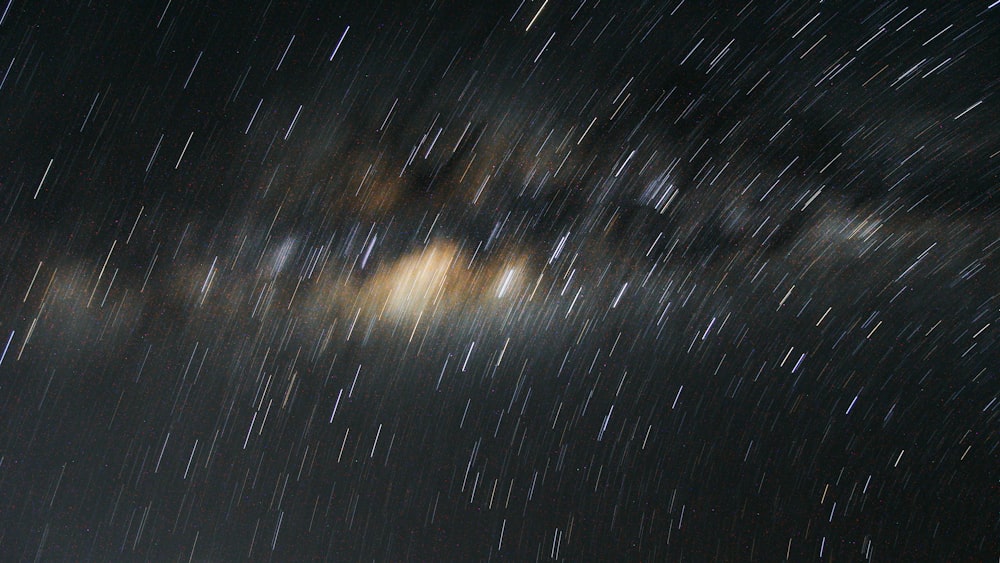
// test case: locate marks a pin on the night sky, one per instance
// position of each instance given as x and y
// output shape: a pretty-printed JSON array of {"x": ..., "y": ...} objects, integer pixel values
[{"x": 529, "y": 280}]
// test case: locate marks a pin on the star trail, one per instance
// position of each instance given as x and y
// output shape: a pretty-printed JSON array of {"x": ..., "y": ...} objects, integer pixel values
[{"x": 530, "y": 280}]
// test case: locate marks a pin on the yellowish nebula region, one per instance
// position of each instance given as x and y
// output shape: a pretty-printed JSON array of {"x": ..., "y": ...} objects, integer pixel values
[{"x": 441, "y": 278}]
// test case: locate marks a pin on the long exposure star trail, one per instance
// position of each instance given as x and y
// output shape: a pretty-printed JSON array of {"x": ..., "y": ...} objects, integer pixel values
[{"x": 529, "y": 280}]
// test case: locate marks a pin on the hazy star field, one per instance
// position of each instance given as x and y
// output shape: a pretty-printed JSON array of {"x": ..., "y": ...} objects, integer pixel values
[{"x": 511, "y": 281}]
